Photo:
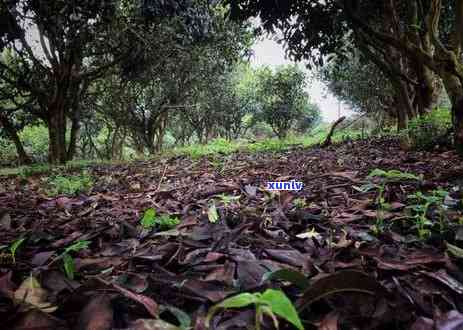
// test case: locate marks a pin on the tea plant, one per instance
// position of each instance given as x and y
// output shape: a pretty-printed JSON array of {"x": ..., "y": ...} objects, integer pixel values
[
  {"x": 272, "y": 303},
  {"x": 421, "y": 207},
  {"x": 12, "y": 248},
  {"x": 212, "y": 213},
  {"x": 300, "y": 203},
  {"x": 385, "y": 178},
  {"x": 162, "y": 222},
  {"x": 227, "y": 200},
  {"x": 69, "y": 185}
]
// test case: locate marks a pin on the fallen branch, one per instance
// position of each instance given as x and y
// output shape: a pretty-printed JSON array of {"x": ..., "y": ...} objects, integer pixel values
[{"x": 327, "y": 141}]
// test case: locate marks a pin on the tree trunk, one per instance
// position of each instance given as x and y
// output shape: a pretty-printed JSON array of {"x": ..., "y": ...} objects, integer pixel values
[
  {"x": 75, "y": 133},
  {"x": 454, "y": 89},
  {"x": 428, "y": 91},
  {"x": 57, "y": 153},
  {"x": 23, "y": 157},
  {"x": 327, "y": 141},
  {"x": 457, "y": 110}
]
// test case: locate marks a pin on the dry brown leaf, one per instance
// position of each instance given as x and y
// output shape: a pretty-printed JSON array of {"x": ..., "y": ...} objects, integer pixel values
[
  {"x": 32, "y": 294},
  {"x": 97, "y": 314}
]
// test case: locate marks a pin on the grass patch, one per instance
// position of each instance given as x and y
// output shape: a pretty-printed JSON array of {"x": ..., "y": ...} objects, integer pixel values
[
  {"x": 224, "y": 147},
  {"x": 216, "y": 147},
  {"x": 40, "y": 169},
  {"x": 69, "y": 185}
]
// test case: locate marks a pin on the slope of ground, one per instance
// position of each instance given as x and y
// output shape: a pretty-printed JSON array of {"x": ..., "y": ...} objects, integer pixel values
[{"x": 233, "y": 233}]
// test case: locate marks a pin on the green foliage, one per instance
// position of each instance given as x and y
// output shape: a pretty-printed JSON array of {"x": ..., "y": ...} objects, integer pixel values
[
  {"x": 162, "y": 222},
  {"x": 430, "y": 130},
  {"x": 69, "y": 185},
  {"x": 455, "y": 250},
  {"x": 77, "y": 246},
  {"x": 212, "y": 214},
  {"x": 271, "y": 302},
  {"x": 385, "y": 177},
  {"x": 300, "y": 203},
  {"x": 149, "y": 218},
  {"x": 69, "y": 266},
  {"x": 227, "y": 200},
  {"x": 7, "y": 151},
  {"x": 217, "y": 146},
  {"x": 393, "y": 175},
  {"x": 360, "y": 85},
  {"x": 282, "y": 98},
  {"x": 14, "y": 247},
  {"x": 35, "y": 141},
  {"x": 37, "y": 169},
  {"x": 68, "y": 260},
  {"x": 28, "y": 171},
  {"x": 421, "y": 207},
  {"x": 310, "y": 117}
]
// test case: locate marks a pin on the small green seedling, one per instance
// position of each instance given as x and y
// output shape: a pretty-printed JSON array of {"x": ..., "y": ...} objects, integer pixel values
[
  {"x": 227, "y": 200},
  {"x": 14, "y": 247},
  {"x": 10, "y": 258},
  {"x": 272, "y": 303},
  {"x": 300, "y": 203},
  {"x": 420, "y": 209},
  {"x": 212, "y": 214},
  {"x": 163, "y": 222},
  {"x": 69, "y": 185},
  {"x": 385, "y": 177},
  {"x": 68, "y": 260}
]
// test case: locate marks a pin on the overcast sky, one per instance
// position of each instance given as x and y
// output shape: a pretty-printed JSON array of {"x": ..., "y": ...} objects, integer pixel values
[{"x": 269, "y": 52}]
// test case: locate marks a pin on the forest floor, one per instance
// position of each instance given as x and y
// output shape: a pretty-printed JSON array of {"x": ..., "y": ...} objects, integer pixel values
[{"x": 369, "y": 260}]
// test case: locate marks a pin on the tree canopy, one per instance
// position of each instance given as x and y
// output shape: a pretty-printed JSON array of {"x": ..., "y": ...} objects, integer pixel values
[{"x": 413, "y": 43}]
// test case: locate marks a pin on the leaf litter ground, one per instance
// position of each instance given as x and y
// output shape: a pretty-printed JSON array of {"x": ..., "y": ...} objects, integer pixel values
[{"x": 317, "y": 245}]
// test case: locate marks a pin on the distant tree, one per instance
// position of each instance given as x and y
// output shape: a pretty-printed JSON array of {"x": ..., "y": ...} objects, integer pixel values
[
  {"x": 410, "y": 41},
  {"x": 310, "y": 117},
  {"x": 77, "y": 43},
  {"x": 282, "y": 97},
  {"x": 360, "y": 84}
]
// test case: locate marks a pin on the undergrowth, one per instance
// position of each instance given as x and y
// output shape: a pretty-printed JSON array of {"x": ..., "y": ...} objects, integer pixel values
[{"x": 69, "y": 184}]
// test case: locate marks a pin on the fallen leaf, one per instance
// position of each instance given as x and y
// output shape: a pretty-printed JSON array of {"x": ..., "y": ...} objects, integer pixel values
[
  {"x": 343, "y": 281},
  {"x": 7, "y": 287},
  {"x": 32, "y": 294},
  {"x": 251, "y": 191},
  {"x": 452, "y": 320},
  {"x": 212, "y": 214},
  {"x": 329, "y": 322},
  {"x": 150, "y": 324},
  {"x": 454, "y": 250},
  {"x": 149, "y": 303},
  {"x": 35, "y": 319},
  {"x": 41, "y": 258},
  {"x": 97, "y": 314},
  {"x": 296, "y": 278},
  {"x": 5, "y": 222},
  {"x": 446, "y": 279}
]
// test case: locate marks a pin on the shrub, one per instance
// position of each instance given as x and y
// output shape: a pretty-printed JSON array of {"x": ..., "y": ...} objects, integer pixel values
[
  {"x": 261, "y": 130},
  {"x": 7, "y": 152},
  {"x": 430, "y": 130},
  {"x": 69, "y": 185},
  {"x": 35, "y": 141}
]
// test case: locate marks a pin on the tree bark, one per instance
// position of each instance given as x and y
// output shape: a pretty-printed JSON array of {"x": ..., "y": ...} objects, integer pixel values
[
  {"x": 57, "y": 134},
  {"x": 75, "y": 133},
  {"x": 23, "y": 157},
  {"x": 327, "y": 141},
  {"x": 454, "y": 88},
  {"x": 457, "y": 110}
]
